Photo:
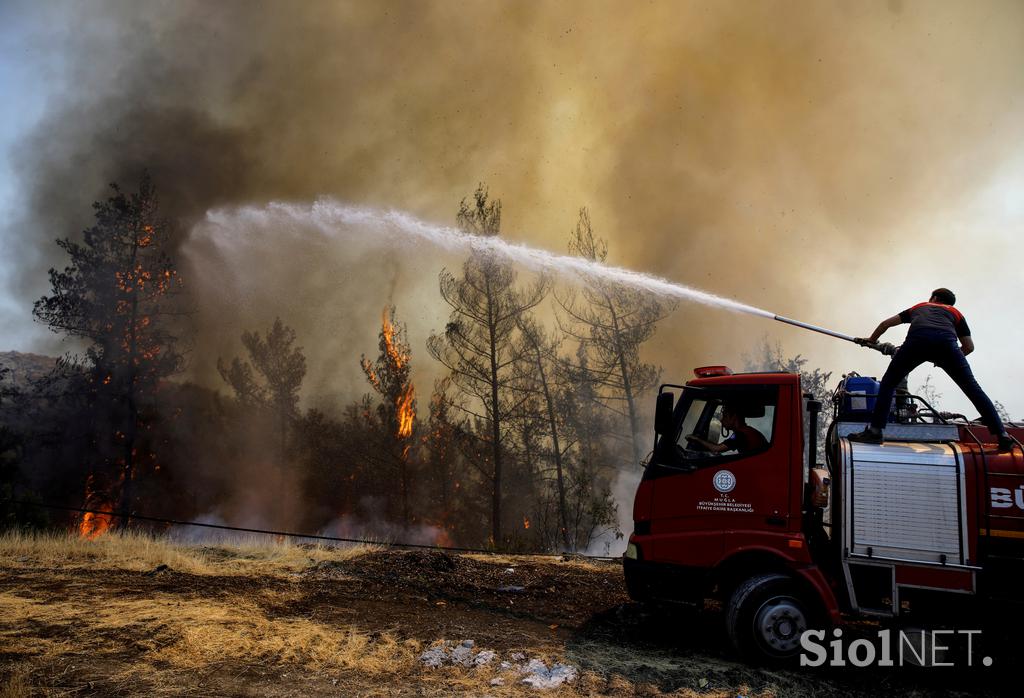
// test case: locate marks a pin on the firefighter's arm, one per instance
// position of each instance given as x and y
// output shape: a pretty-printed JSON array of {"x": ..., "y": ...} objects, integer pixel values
[
  {"x": 710, "y": 446},
  {"x": 883, "y": 326},
  {"x": 966, "y": 344}
]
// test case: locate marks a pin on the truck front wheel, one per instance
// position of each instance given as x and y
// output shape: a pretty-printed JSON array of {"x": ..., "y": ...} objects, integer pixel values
[{"x": 765, "y": 617}]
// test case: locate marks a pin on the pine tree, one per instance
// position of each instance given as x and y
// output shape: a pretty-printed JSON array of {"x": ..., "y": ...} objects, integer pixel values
[
  {"x": 613, "y": 322},
  {"x": 116, "y": 295},
  {"x": 272, "y": 377},
  {"x": 480, "y": 345}
]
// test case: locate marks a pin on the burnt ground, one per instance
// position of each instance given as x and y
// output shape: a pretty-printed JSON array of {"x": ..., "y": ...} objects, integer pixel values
[{"x": 576, "y": 612}]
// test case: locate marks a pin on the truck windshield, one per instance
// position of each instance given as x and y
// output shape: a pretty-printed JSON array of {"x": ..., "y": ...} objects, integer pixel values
[
  {"x": 692, "y": 417},
  {"x": 725, "y": 422}
]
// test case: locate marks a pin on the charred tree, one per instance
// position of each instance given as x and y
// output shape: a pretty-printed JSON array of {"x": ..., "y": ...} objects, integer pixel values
[
  {"x": 613, "y": 322},
  {"x": 479, "y": 345},
  {"x": 115, "y": 295}
]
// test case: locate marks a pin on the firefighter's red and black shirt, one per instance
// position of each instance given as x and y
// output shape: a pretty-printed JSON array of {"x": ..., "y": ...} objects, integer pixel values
[{"x": 936, "y": 316}]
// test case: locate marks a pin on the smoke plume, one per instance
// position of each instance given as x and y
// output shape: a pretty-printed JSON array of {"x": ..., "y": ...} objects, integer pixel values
[
  {"x": 792, "y": 155},
  {"x": 737, "y": 147}
]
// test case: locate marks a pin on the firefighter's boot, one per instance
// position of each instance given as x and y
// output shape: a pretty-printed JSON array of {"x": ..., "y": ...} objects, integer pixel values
[
  {"x": 870, "y": 435},
  {"x": 1006, "y": 443}
]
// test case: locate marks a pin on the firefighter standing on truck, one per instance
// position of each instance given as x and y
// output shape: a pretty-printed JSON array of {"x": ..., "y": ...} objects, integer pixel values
[{"x": 935, "y": 329}]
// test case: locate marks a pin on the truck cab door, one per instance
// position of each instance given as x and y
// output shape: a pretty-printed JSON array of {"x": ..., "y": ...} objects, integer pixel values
[{"x": 700, "y": 495}]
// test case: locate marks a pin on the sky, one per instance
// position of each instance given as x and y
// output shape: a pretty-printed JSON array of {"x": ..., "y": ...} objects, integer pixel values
[
  {"x": 24, "y": 81},
  {"x": 831, "y": 162}
]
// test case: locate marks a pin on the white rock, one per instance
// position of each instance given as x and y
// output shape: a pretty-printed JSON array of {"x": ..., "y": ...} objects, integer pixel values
[
  {"x": 463, "y": 655},
  {"x": 539, "y": 676},
  {"x": 484, "y": 657},
  {"x": 434, "y": 657}
]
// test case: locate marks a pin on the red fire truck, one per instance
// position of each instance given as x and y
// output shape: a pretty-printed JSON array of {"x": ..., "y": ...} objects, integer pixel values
[{"x": 929, "y": 522}]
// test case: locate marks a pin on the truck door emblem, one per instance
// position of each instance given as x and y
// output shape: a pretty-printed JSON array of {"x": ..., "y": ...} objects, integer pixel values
[{"x": 724, "y": 481}]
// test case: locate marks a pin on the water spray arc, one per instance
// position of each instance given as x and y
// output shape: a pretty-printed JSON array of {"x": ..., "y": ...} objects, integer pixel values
[{"x": 333, "y": 217}]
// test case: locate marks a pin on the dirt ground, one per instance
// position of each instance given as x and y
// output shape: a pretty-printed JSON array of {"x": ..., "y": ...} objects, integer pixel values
[{"x": 312, "y": 622}]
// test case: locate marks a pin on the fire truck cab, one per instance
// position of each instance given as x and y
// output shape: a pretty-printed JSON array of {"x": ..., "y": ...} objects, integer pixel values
[{"x": 933, "y": 518}]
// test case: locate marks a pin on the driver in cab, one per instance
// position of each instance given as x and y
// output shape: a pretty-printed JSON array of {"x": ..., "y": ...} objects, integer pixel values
[{"x": 744, "y": 438}]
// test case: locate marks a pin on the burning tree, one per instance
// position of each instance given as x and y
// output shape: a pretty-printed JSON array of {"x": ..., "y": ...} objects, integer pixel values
[
  {"x": 480, "y": 344},
  {"x": 115, "y": 296},
  {"x": 613, "y": 322},
  {"x": 390, "y": 377}
]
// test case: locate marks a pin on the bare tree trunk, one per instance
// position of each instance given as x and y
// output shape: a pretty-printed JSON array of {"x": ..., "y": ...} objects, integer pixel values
[
  {"x": 404, "y": 473},
  {"x": 130, "y": 438},
  {"x": 627, "y": 388},
  {"x": 496, "y": 437},
  {"x": 133, "y": 409},
  {"x": 495, "y": 422},
  {"x": 563, "y": 517},
  {"x": 282, "y": 455}
]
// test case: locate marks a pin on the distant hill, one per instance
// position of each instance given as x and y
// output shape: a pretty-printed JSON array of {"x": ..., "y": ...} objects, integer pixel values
[{"x": 25, "y": 367}]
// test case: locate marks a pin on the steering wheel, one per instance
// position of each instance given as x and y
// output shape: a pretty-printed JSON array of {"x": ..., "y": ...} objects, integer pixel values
[{"x": 694, "y": 445}]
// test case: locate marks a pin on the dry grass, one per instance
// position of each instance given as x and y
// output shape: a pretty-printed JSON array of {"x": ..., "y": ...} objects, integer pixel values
[
  {"x": 158, "y": 644},
  {"x": 167, "y": 637},
  {"x": 16, "y": 686},
  {"x": 141, "y": 552},
  {"x": 161, "y": 644},
  {"x": 95, "y": 633},
  {"x": 515, "y": 560}
]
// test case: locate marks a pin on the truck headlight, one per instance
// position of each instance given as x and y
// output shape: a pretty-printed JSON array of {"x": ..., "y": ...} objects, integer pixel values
[{"x": 632, "y": 552}]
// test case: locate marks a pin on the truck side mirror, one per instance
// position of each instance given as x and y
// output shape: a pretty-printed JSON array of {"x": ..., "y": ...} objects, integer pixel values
[{"x": 663, "y": 414}]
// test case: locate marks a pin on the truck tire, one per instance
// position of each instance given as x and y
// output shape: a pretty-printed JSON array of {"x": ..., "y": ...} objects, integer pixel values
[
  {"x": 765, "y": 617},
  {"x": 636, "y": 586}
]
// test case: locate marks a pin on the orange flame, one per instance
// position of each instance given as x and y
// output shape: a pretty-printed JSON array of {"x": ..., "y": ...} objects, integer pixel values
[
  {"x": 526, "y": 523},
  {"x": 442, "y": 539},
  {"x": 92, "y": 525},
  {"x": 406, "y": 413},
  {"x": 399, "y": 358},
  {"x": 403, "y": 404}
]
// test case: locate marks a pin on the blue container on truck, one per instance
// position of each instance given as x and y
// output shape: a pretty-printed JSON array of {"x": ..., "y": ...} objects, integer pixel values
[{"x": 859, "y": 397}]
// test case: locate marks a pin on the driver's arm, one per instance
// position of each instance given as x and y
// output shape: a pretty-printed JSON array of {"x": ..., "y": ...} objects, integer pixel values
[{"x": 711, "y": 446}]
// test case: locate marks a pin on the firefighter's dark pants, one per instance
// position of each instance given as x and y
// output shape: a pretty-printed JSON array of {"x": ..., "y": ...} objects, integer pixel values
[{"x": 942, "y": 349}]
